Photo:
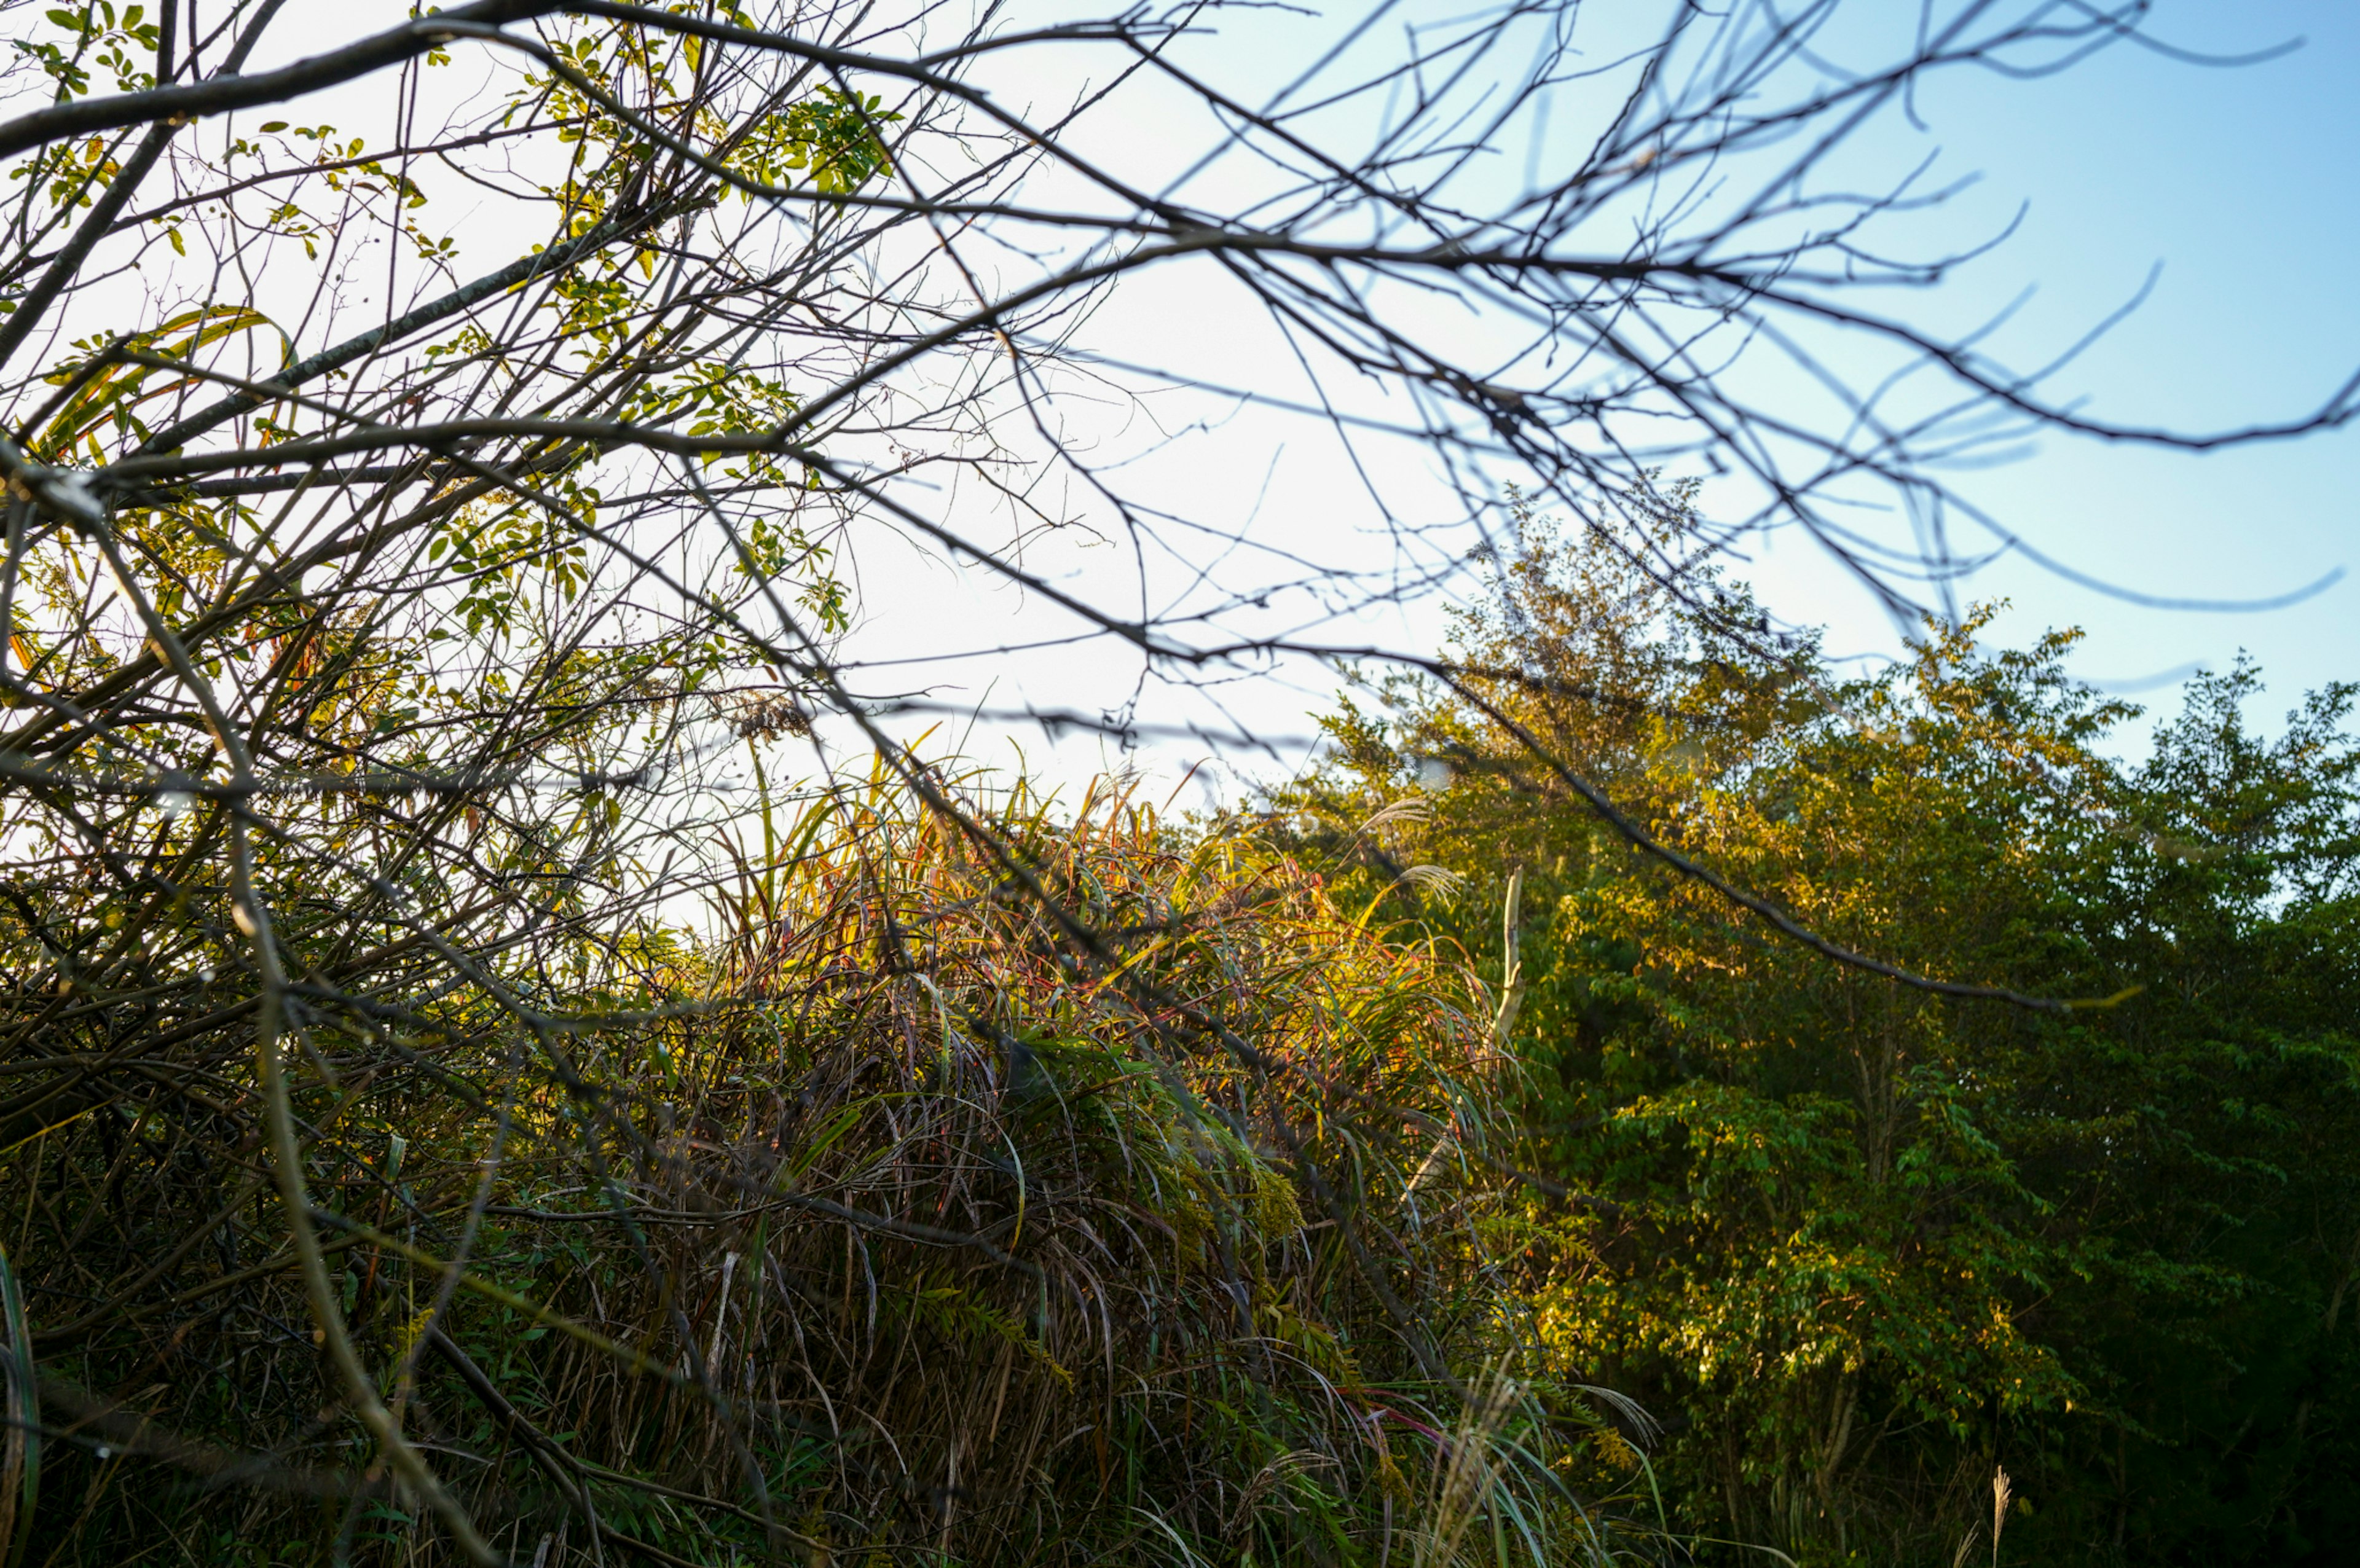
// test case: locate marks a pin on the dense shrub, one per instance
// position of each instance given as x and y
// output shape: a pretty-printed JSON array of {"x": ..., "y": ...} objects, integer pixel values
[
  {"x": 1859, "y": 1241},
  {"x": 889, "y": 1218}
]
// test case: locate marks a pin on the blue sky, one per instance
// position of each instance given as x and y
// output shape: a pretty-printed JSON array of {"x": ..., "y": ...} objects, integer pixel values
[
  {"x": 2244, "y": 186},
  {"x": 2235, "y": 188}
]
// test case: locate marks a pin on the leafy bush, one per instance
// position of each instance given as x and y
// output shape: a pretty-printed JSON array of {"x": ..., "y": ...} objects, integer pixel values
[
  {"x": 1858, "y": 1241},
  {"x": 889, "y": 1220}
]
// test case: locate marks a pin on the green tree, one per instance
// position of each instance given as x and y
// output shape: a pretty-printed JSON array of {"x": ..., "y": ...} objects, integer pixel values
[{"x": 1854, "y": 1241}]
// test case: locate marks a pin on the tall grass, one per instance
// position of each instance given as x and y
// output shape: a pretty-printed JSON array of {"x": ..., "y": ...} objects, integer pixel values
[{"x": 1072, "y": 1192}]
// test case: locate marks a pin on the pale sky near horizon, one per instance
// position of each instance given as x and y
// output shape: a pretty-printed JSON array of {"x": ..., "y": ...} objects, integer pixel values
[
  {"x": 2238, "y": 190},
  {"x": 2241, "y": 184}
]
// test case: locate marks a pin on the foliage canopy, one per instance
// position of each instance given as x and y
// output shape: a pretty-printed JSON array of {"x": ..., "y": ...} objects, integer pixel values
[{"x": 1864, "y": 1240}]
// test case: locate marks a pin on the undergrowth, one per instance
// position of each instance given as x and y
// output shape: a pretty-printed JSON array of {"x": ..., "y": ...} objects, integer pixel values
[{"x": 903, "y": 1215}]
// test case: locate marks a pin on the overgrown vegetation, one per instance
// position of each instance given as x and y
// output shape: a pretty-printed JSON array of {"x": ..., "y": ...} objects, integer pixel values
[
  {"x": 1415, "y": 1169},
  {"x": 897, "y": 1233},
  {"x": 1858, "y": 1245},
  {"x": 514, "y": 1053}
]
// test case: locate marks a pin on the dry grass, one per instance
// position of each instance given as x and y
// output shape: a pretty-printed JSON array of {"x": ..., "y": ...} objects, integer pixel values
[{"x": 916, "y": 1217}]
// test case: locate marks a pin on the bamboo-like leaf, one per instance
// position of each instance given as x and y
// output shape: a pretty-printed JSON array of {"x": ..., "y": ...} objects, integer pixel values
[{"x": 20, "y": 1451}]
